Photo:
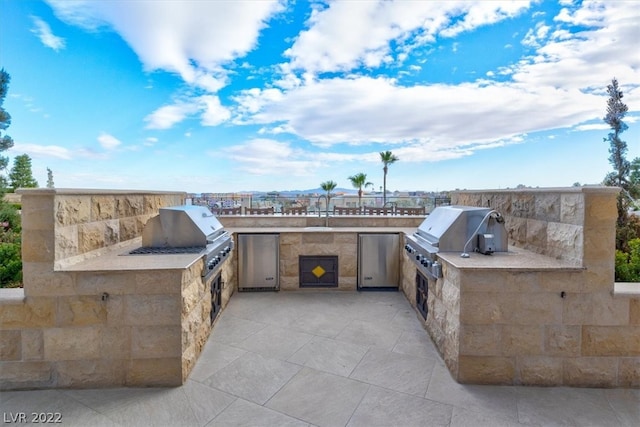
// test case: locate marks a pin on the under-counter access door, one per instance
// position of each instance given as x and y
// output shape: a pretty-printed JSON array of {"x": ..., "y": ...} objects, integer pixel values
[
  {"x": 378, "y": 261},
  {"x": 258, "y": 262}
]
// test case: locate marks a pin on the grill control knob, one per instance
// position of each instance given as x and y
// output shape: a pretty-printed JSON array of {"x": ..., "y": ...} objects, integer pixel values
[{"x": 418, "y": 257}]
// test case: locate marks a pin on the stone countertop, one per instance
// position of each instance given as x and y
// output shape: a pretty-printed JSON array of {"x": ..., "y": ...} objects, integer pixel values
[
  {"x": 266, "y": 230},
  {"x": 514, "y": 259},
  {"x": 118, "y": 259}
]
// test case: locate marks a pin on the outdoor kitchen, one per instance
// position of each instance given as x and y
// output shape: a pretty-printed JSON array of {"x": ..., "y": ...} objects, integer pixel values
[{"x": 513, "y": 286}]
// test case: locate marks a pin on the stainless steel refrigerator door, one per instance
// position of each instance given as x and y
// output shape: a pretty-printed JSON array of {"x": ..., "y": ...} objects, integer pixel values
[
  {"x": 378, "y": 260},
  {"x": 258, "y": 261}
]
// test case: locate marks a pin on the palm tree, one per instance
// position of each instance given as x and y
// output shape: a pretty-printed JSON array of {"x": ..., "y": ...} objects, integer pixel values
[
  {"x": 387, "y": 158},
  {"x": 358, "y": 181},
  {"x": 328, "y": 186}
]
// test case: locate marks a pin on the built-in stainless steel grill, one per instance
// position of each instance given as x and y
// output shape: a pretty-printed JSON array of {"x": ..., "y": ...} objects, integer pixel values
[
  {"x": 461, "y": 229},
  {"x": 187, "y": 229}
]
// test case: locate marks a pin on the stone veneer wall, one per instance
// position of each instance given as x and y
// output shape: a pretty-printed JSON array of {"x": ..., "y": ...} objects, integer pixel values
[
  {"x": 537, "y": 326},
  {"x": 61, "y": 331}
]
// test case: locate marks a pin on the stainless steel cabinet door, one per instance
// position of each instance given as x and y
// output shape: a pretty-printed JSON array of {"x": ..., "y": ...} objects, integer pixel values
[
  {"x": 258, "y": 260},
  {"x": 378, "y": 260}
]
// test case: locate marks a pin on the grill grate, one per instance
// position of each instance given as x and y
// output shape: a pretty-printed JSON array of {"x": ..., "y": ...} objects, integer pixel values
[{"x": 149, "y": 250}]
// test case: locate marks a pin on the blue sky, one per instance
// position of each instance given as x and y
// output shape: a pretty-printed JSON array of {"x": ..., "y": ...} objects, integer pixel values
[{"x": 219, "y": 96}]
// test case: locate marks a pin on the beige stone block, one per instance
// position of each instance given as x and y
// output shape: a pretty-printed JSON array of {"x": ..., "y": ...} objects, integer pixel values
[
  {"x": 19, "y": 374},
  {"x": 562, "y": 340},
  {"x": 130, "y": 228},
  {"x": 103, "y": 208},
  {"x": 33, "y": 312},
  {"x": 290, "y": 238},
  {"x": 537, "y": 234},
  {"x": 165, "y": 372},
  {"x": 516, "y": 230},
  {"x": 610, "y": 341},
  {"x": 115, "y": 310},
  {"x": 595, "y": 309},
  {"x": 32, "y": 344},
  {"x": 634, "y": 311},
  {"x": 521, "y": 340},
  {"x": 152, "y": 342},
  {"x": 481, "y": 308},
  {"x": 572, "y": 209},
  {"x": 289, "y": 283},
  {"x": 567, "y": 281},
  {"x": 40, "y": 280},
  {"x": 289, "y": 267},
  {"x": 523, "y": 205},
  {"x": 590, "y": 371},
  {"x": 152, "y": 310},
  {"x": 435, "y": 332},
  {"x": 547, "y": 207},
  {"x": 629, "y": 372},
  {"x": 113, "y": 283},
  {"x": 81, "y": 310},
  {"x": 480, "y": 340},
  {"x": 129, "y": 205},
  {"x": 599, "y": 244},
  {"x": 66, "y": 242},
  {"x": 347, "y": 265},
  {"x": 439, "y": 313},
  {"x": 111, "y": 232},
  {"x": 323, "y": 238},
  {"x": 10, "y": 345},
  {"x": 451, "y": 298},
  {"x": 160, "y": 282},
  {"x": 37, "y": 213},
  {"x": 600, "y": 208},
  {"x": 72, "y": 343},
  {"x": 346, "y": 283},
  {"x": 486, "y": 370},
  {"x": 38, "y": 246},
  {"x": 91, "y": 236},
  {"x": 539, "y": 370},
  {"x": 190, "y": 297},
  {"x": 565, "y": 241},
  {"x": 535, "y": 308},
  {"x": 346, "y": 240},
  {"x": 115, "y": 342},
  {"x": 90, "y": 373},
  {"x": 72, "y": 210}
]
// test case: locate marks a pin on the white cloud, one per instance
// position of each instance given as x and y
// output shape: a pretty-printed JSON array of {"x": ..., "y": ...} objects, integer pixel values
[
  {"x": 347, "y": 35},
  {"x": 363, "y": 110},
  {"x": 168, "y": 115},
  {"x": 108, "y": 142},
  {"x": 560, "y": 86},
  {"x": 211, "y": 111},
  {"x": 37, "y": 151},
  {"x": 214, "y": 113},
  {"x": 46, "y": 36},
  {"x": 194, "y": 39},
  {"x": 268, "y": 157},
  {"x": 150, "y": 141}
]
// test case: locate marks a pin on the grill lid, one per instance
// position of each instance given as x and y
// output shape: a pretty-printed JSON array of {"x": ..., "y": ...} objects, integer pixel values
[
  {"x": 448, "y": 228},
  {"x": 181, "y": 226}
]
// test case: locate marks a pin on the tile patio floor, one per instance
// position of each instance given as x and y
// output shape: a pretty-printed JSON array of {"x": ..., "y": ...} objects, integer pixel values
[{"x": 327, "y": 359}]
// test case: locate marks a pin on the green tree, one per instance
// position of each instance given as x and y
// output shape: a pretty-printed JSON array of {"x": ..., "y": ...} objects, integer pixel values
[
  {"x": 358, "y": 181},
  {"x": 50, "y": 178},
  {"x": 622, "y": 169},
  {"x": 5, "y": 120},
  {"x": 328, "y": 186},
  {"x": 21, "y": 175},
  {"x": 387, "y": 158}
]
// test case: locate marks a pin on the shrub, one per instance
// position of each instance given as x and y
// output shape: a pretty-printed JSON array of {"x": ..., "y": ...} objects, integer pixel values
[{"x": 628, "y": 263}]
